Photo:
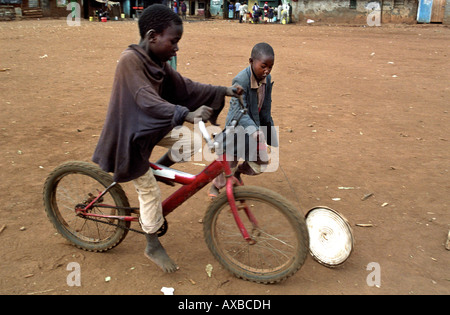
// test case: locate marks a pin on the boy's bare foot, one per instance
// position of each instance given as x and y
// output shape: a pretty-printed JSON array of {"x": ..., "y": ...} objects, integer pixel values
[{"x": 156, "y": 253}]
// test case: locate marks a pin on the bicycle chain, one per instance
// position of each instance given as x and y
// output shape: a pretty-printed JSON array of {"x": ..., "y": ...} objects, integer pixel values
[
  {"x": 114, "y": 224},
  {"x": 160, "y": 232}
]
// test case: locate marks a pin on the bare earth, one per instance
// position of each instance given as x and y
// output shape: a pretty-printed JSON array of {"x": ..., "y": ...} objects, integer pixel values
[{"x": 359, "y": 107}]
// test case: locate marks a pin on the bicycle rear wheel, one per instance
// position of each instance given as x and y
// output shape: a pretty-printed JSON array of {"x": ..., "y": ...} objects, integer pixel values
[
  {"x": 281, "y": 241},
  {"x": 76, "y": 183}
]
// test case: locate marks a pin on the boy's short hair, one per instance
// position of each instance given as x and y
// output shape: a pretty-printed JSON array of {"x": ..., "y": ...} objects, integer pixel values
[
  {"x": 262, "y": 49},
  {"x": 157, "y": 17}
]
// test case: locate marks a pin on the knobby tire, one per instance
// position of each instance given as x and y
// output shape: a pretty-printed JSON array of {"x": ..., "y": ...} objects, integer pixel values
[
  {"x": 69, "y": 185},
  {"x": 282, "y": 240}
]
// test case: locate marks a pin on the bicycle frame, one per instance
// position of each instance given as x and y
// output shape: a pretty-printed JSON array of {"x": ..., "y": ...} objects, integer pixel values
[{"x": 191, "y": 184}]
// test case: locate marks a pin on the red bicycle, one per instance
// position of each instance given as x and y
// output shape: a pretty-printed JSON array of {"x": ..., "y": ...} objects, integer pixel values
[{"x": 253, "y": 232}]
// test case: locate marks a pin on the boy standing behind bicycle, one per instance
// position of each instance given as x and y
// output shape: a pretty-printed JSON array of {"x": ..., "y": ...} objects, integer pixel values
[
  {"x": 257, "y": 98},
  {"x": 148, "y": 100}
]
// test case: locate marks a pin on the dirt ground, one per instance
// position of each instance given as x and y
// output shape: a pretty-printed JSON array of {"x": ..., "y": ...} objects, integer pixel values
[{"x": 360, "y": 107}]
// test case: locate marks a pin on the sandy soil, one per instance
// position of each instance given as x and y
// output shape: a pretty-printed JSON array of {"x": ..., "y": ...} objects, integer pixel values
[{"x": 357, "y": 107}]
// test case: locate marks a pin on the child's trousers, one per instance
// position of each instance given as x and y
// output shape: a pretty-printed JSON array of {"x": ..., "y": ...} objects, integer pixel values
[
  {"x": 147, "y": 188},
  {"x": 150, "y": 208}
]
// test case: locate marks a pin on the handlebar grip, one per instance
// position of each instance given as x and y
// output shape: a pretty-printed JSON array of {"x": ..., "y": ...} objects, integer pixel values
[{"x": 205, "y": 133}]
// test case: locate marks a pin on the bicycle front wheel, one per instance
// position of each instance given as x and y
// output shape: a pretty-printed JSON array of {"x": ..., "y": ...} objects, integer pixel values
[
  {"x": 280, "y": 241},
  {"x": 75, "y": 184}
]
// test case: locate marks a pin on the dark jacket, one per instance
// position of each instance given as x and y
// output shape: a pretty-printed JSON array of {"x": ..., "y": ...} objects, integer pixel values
[
  {"x": 147, "y": 102},
  {"x": 254, "y": 117}
]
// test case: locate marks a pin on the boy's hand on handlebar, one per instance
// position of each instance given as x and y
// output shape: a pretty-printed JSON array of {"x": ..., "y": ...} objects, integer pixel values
[{"x": 202, "y": 113}]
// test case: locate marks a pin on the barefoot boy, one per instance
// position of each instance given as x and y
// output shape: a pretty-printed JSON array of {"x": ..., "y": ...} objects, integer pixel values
[{"x": 148, "y": 100}]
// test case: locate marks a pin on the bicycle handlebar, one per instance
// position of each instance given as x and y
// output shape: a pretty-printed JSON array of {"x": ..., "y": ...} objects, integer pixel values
[
  {"x": 205, "y": 134},
  {"x": 213, "y": 144}
]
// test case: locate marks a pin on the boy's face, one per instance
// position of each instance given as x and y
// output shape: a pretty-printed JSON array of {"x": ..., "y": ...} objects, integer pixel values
[
  {"x": 262, "y": 66},
  {"x": 165, "y": 45}
]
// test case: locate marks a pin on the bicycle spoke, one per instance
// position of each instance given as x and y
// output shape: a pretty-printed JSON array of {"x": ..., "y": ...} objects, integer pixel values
[{"x": 74, "y": 184}]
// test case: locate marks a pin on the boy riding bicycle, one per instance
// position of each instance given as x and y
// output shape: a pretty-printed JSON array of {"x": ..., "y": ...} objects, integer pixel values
[{"x": 149, "y": 99}]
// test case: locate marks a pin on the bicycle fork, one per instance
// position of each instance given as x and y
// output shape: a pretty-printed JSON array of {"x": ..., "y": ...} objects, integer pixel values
[{"x": 231, "y": 182}]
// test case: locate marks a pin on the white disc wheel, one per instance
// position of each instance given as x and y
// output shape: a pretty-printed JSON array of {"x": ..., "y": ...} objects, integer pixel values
[{"x": 330, "y": 236}]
